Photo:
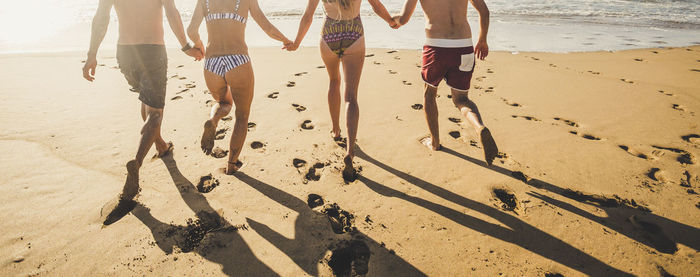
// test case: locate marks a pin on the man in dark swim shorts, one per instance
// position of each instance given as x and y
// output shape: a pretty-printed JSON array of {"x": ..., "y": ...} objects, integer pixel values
[
  {"x": 143, "y": 61},
  {"x": 449, "y": 54}
]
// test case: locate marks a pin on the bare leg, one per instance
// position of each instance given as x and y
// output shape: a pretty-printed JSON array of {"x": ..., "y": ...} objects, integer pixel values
[
  {"x": 149, "y": 134},
  {"x": 220, "y": 92},
  {"x": 470, "y": 111},
  {"x": 431, "y": 116},
  {"x": 332, "y": 63},
  {"x": 241, "y": 81},
  {"x": 352, "y": 61},
  {"x": 161, "y": 146}
]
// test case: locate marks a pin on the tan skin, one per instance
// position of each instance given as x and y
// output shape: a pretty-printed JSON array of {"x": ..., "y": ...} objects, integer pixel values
[
  {"x": 447, "y": 19},
  {"x": 140, "y": 22},
  {"x": 351, "y": 61},
  {"x": 227, "y": 37}
]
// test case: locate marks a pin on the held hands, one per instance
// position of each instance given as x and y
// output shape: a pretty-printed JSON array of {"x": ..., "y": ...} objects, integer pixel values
[
  {"x": 290, "y": 45},
  {"x": 89, "y": 68},
  {"x": 395, "y": 22},
  {"x": 481, "y": 50}
]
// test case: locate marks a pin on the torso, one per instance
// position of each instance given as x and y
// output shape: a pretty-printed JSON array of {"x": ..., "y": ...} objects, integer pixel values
[
  {"x": 226, "y": 36},
  {"x": 140, "y": 21},
  {"x": 446, "y": 19}
]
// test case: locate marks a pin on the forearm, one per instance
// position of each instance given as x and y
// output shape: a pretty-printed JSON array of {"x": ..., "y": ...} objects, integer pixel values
[
  {"x": 273, "y": 32},
  {"x": 304, "y": 27},
  {"x": 193, "y": 33},
  {"x": 381, "y": 11},
  {"x": 407, "y": 11},
  {"x": 176, "y": 26},
  {"x": 484, "y": 20},
  {"x": 99, "y": 30}
]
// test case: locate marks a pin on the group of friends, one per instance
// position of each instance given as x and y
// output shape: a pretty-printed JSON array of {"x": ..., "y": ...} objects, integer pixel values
[{"x": 448, "y": 54}]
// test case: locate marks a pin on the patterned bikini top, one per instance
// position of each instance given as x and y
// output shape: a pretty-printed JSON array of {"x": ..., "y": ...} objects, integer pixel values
[{"x": 233, "y": 16}]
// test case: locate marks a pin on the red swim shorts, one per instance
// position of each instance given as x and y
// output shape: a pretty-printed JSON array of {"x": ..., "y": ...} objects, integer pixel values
[{"x": 452, "y": 60}]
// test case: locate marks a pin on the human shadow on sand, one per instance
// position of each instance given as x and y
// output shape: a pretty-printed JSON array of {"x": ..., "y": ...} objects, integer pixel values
[
  {"x": 209, "y": 235},
  {"x": 518, "y": 232},
  {"x": 633, "y": 221},
  {"x": 313, "y": 236}
]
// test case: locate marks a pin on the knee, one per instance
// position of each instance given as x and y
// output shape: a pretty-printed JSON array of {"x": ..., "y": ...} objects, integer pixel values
[
  {"x": 334, "y": 83},
  {"x": 351, "y": 98}
]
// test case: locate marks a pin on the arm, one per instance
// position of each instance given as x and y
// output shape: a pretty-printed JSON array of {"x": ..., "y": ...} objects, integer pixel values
[
  {"x": 175, "y": 22},
  {"x": 408, "y": 7},
  {"x": 381, "y": 11},
  {"x": 99, "y": 28},
  {"x": 305, "y": 23},
  {"x": 265, "y": 24},
  {"x": 482, "y": 47},
  {"x": 193, "y": 28}
]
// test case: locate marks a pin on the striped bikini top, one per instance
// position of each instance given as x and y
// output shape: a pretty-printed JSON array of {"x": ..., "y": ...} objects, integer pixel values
[{"x": 234, "y": 15}]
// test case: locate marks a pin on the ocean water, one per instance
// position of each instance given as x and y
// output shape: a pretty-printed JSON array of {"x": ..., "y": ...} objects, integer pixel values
[{"x": 516, "y": 25}]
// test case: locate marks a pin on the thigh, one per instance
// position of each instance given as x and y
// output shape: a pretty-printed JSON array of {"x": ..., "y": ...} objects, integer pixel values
[
  {"x": 331, "y": 60},
  {"x": 241, "y": 83},
  {"x": 216, "y": 85},
  {"x": 353, "y": 61}
]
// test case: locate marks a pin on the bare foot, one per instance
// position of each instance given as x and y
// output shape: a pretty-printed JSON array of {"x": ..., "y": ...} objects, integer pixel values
[
  {"x": 167, "y": 151},
  {"x": 336, "y": 135},
  {"x": 349, "y": 173},
  {"x": 428, "y": 141},
  {"x": 490, "y": 147},
  {"x": 208, "y": 137},
  {"x": 131, "y": 187},
  {"x": 233, "y": 167}
]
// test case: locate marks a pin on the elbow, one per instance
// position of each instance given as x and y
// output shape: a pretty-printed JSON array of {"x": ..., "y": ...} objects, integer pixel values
[{"x": 484, "y": 12}]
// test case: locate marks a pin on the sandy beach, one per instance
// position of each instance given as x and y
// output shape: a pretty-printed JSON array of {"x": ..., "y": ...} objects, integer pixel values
[{"x": 599, "y": 172}]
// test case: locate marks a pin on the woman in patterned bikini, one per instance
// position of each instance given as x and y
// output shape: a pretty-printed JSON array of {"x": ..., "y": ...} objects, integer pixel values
[
  {"x": 227, "y": 68},
  {"x": 342, "y": 42}
]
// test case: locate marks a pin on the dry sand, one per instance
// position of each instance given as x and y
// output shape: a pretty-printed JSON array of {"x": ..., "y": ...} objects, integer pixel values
[{"x": 598, "y": 175}]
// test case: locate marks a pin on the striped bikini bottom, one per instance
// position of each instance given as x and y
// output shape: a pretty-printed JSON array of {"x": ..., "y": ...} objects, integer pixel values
[{"x": 222, "y": 64}]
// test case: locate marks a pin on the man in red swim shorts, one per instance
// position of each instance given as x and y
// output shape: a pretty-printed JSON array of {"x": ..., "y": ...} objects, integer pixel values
[{"x": 450, "y": 55}]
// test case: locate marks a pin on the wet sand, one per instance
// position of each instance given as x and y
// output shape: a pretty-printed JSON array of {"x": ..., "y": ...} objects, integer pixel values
[{"x": 597, "y": 172}]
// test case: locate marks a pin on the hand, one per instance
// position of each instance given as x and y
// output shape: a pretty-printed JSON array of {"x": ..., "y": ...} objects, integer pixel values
[
  {"x": 199, "y": 45},
  {"x": 396, "y": 22},
  {"x": 196, "y": 53},
  {"x": 89, "y": 69},
  {"x": 290, "y": 45},
  {"x": 481, "y": 50}
]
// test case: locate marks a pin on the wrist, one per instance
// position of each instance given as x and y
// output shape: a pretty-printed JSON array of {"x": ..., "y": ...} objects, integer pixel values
[
  {"x": 92, "y": 55},
  {"x": 186, "y": 47}
]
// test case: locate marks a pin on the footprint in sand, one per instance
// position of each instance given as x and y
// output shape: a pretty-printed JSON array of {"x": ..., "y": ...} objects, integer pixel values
[
  {"x": 298, "y": 163},
  {"x": 654, "y": 234},
  {"x": 307, "y": 125},
  {"x": 519, "y": 175},
  {"x": 298, "y": 107},
  {"x": 369, "y": 55},
  {"x": 391, "y": 51},
  {"x": 291, "y": 84},
  {"x": 695, "y": 70},
  {"x": 639, "y": 60},
  {"x": 220, "y": 134},
  {"x": 312, "y": 175},
  {"x": 692, "y": 138},
  {"x": 321, "y": 66},
  {"x": 251, "y": 126},
  {"x": 505, "y": 199},
  {"x": 594, "y": 72},
  {"x": 227, "y": 118},
  {"x": 567, "y": 122},
  {"x": 489, "y": 89},
  {"x": 376, "y": 62},
  {"x": 207, "y": 184},
  {"x": 455, "y": 134},
  {"x": 314, "y": 200},
  {"x": 273, "y": 95},
  {"x": 392, "y": 72},
  {"x": 417, "y": 107},
  {"x": 407, "y": 83},
  {"x": 512, "y": 104},
  {"x": 489, "y": 71},
  {"x": 183, "y": 91},
  {"x": 219, "y": 153},
  {"x": 530, "y": 118},
  {"x": 190, "y": 86},
  {"x": 349, "y": 258},
  {"x": 678, "y": 107},
  {"x": 634, "y": 152},
  {"x": 342, "y": 142},
  {"x": 176, "y": 98},
  {"x": 697, "y": 205},
  {"x": 657, "y": 174},
  {"x": 665, "y": 93},
  {"x": 301, "y": 73},
  {"x": 341, "y": 220},
  {"x": 586, "y": 136},
  {"x": 454, "y": 120},
  {"x": 257, "y": 145},
  {"x": 688, "y": 181},
  {"x": 684, "y": 157},
  {"x": 627, "y": 81}
]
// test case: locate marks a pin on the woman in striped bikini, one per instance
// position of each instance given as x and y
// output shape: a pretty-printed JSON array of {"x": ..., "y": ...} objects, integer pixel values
[
  {"x": 227, "y": 67},
  {"x": 342, "y": 42}
]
